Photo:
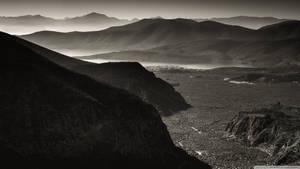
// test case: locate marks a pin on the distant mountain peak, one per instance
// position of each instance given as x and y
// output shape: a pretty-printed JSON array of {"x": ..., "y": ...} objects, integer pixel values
[
  {"x": 95, "y": 14},
  {"x": 156, "y": 17}
]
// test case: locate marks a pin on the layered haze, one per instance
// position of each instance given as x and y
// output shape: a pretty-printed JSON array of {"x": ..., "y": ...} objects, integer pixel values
[
  {"x": 183, "y": 41},
  {"x": 33, "y": 23}
]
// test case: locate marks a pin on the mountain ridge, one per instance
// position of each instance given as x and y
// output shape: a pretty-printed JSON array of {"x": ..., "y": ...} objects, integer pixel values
[
  {"x": 129, "y": 76},
  {"x": 144, "y": 34},
  {"x": 155, "y": 33},
  {"x": 52, "y": 117}
]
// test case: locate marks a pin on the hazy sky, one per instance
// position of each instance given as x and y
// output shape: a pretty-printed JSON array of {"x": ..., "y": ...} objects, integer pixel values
[{"x": 150, "y": 8}]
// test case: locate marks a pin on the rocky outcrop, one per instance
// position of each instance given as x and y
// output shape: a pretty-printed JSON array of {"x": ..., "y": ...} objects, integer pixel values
[
  {"x": 275, "y": 130},
  {"x": 130, "y": 76},
  {"x": 51, "y": 117}
]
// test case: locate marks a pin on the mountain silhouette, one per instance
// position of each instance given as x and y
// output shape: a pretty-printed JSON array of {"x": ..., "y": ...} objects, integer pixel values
[
  {"x": 129, "y": 76},
  {"x": 52, "y": 117},
  {"x": 94, "y": 18}
]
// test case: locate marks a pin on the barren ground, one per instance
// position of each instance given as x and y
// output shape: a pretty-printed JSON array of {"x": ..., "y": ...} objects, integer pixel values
[{"x": 200, "y": 130}]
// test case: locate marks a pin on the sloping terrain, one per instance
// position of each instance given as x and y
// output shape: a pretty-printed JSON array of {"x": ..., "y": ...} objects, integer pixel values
[
  {"x": 281, "y": 31},
  {"x": 129, "y": 76},
  {"x": 274, "y": 130},
  {"x": 52, "y": 117},
  {"x": 136, "y": 79},
  {"x": 144, "y": 34}
]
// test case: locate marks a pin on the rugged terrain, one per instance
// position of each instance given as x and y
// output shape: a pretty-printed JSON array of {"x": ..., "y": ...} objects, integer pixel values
[
  {"x": 274, "y": 130},
  {"x": 52, "y": 117},
  {"x": 200, "y": 130},
  {"x": 129, "y": 76}
]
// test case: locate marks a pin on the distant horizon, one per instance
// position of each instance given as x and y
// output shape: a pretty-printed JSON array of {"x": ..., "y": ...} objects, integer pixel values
[
  {"x": 129, "y": 9},
  {"x": 84, "y": 14}
]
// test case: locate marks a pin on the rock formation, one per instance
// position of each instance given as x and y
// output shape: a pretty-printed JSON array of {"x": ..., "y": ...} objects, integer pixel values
[{"x": 275, "y": 130}]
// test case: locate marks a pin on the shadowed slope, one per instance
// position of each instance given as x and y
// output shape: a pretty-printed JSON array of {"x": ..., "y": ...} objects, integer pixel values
[
  {"x": 280, "y": 31},
  {"x": 129, "y": 76},
  {"x": 54, "y": 118}
]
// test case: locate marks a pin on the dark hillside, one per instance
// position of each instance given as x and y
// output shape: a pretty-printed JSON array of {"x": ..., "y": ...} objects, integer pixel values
[
  {"x": 129, "y": 76},
  {"x": 52, "y": 117}
]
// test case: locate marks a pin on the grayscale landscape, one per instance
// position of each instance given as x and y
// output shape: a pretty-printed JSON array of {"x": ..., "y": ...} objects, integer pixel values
[{"x": 140, "y": 84}]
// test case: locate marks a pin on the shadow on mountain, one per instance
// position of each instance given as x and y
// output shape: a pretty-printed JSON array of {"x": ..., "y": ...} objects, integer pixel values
[
  {"x": 130, "y": 76},
  {"x": 52, "y": 117}
]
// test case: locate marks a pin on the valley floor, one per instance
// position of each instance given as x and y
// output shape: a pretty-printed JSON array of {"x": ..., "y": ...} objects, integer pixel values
[{"x": 200, "y": 130}]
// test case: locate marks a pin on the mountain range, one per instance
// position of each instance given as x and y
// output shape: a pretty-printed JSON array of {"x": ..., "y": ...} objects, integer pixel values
[
  {"x": 95, "y": 21},
  {"x": 184, "y": 41},
  {"x": 33, "y": 23},
  {"x": 129, "y": 76},
  {"x": 144, "y": 34},
  {"x": 52, "y": 117},
  {"x": 246, "y": 21}
]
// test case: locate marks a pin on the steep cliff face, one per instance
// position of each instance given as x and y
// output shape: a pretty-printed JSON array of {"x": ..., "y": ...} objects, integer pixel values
[
  {"x": 275, "y": 130},
  {"x": 51, "y": 117},
  {"x": 132, "y": 77}
]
